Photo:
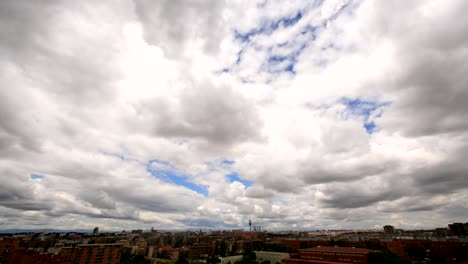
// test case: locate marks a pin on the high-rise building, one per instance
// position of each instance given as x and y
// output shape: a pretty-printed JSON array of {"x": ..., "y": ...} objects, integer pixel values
[
  {"x": 459, "y": 229},
  {"x": 96, "y": 230},
  {"x": 388, "y": 229}
]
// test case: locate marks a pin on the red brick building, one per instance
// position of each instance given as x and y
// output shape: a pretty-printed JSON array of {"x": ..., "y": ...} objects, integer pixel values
[
  {"x": 330, "y": 255},
  {"x": 293, "y": 245},
  {"x": 98, "y": 254},
  {"x": 201, "y": 250},
  {"x": 395, "y": 247}
]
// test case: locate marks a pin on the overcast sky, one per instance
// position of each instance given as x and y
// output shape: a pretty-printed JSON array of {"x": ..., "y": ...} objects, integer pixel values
[{"x": 202, "y": 114}]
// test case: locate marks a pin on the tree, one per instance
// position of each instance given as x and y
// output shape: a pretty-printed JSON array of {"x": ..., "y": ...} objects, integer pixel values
[
  {"x": 248, "y": 257},
  {"x": 182, "y": 260},
  {"x": 128, "y": 258},
  {"x": 213, "y": 260},
  {"x": 461, "y": 252},
  {"x": 223, "y": 249}
]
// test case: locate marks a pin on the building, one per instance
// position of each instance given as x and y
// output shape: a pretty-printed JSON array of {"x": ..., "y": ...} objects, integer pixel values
[
  {"x": 459, "y": 229},
  {"x": 124, "y": 243},
  {"x": 441, "y": 232},
  {"x": 330, "y": 255},
  {"x": 395, "y": 247},
  {"x": 231, "y": 259},
  {"x": 273, "y": 257},
  {"x": 201, "y": 250},
  {"x": 150, "y": 252},
  {"x": 24, "y": 256},
  {"x": 98, "y": 254},
  {"x": 96, "y": 230},
  {"x": 388, "y": 229},
  {"x": 293, "y": 245},
  {"x": 140, "y": 242},
  {"x": 241, "y": 246}
]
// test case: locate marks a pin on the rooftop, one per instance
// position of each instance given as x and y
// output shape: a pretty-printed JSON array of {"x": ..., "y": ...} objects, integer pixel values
[{"x": 336, "y": 250}]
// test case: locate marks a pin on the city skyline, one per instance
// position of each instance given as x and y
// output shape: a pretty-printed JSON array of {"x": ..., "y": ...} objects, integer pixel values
[{"x": 187, "y": 115}]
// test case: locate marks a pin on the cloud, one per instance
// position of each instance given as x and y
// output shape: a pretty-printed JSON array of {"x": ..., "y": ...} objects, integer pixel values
[
  {"x": 235, "y": 119},
  {"x": 166, "y": 25},
  {"x": 203, "y": 114}
]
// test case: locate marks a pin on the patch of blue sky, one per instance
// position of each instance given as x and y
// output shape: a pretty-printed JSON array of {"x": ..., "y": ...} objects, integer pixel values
[
  {"x": 234, "y": 177},
  {"x": 166, "y": 172},
  {"x": 365, "y": 109},
  {"x": 290, "y": 68},
  {"x": 119, "y": 156},
  {"x": 239, "y": 56},
  {"x": 361, "y": 107},
  {"x": 35, "y": 176},
  {"x": 310, "y": 30},
  {"x": 288, "y": 21},
  {"x": 370, "y": 127},
  {"x": 277, "y": 58},
  {"x": 282, "y": 56},
  {"x": 245, "y": 37},
  {"x": 182, "y": 181},
  {"x": 268, "y": 27},
  {"x": 279, "y": 67},
  {"x": 228, "y": 162},
  {"x": 115, "y": 155},
  {"x": 339, "y": 12},
  {"x": 283, "y": 63}
]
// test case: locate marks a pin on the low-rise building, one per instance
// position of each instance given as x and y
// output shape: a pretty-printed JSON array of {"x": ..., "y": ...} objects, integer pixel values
[
  {"x": 330, "y": 255},
  {"x": 273, "y": 257}
]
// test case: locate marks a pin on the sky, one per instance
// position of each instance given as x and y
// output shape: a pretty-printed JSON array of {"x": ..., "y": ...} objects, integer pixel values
[{"x": 172, "y": 114}]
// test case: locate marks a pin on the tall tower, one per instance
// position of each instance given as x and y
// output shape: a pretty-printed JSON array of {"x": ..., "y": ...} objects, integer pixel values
[{"x": 250, "y": 225}]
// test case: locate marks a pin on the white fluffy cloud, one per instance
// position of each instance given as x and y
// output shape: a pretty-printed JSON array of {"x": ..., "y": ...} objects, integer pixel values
[{"x": 203, "y": 114}]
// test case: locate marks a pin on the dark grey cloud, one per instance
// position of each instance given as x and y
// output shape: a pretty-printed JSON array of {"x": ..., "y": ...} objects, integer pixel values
[
  {"x": 353, "y": 198},
  {"x": 283, "y": 183},
  {"x": 22, "y": 25},
  {"x": 430, "y": 80},
  {"x": 203, "y": 111},
  {"x": 172, "y": 200},
  {"x": 444, "y": 177},
  {"x": 16, "y": 193},
  {"x": 67, "y": 59},
  {"x": 413, "y": 204},
  {"x": 259, "y": 192},
  {"x": 346, "y": 171}
]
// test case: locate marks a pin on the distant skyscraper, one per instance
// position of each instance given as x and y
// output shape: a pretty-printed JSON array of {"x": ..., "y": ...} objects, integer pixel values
[
  {"x": 250, "y": 225},
  {"x": 388, "y": 229},
  {"x": 96, "y": 230}
]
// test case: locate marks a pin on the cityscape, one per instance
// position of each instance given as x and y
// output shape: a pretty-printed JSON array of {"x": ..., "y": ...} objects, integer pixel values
[{"x": 389, "y": 245}]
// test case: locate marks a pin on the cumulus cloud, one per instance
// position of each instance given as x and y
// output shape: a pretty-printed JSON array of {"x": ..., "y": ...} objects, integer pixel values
[{"x": 203, "y": 114}]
